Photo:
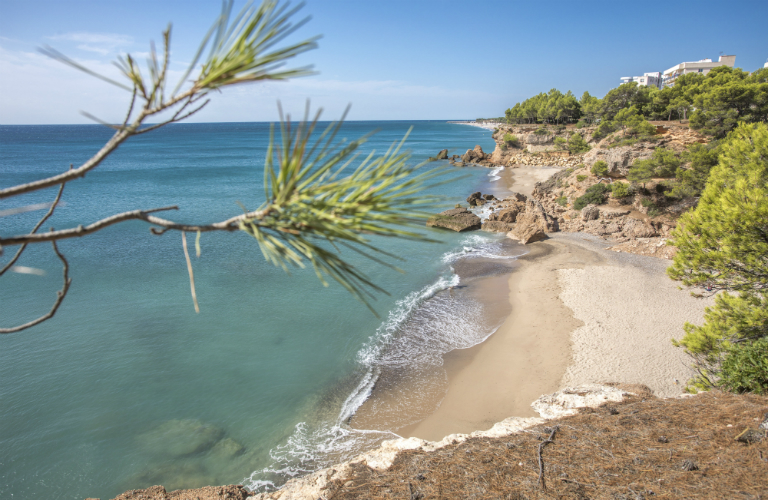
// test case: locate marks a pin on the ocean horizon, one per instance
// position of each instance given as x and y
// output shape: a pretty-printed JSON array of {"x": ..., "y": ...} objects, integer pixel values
[{"x": 127, "y": 387}]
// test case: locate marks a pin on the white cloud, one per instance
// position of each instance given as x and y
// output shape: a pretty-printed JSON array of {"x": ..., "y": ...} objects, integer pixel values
[
  {"x": 104, "y": 39},
  {"x": 99, "y": 43}
]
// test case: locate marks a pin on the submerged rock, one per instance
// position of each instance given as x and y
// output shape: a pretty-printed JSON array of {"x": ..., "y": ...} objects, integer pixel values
[
  {"x": 456, "y": 219},
  {"x": 227, "y": 448},
  {"x": 177, "y": 438}
]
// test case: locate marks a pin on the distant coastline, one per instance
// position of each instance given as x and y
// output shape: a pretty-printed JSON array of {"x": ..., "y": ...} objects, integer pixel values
[{"x": 485, "y": 125}]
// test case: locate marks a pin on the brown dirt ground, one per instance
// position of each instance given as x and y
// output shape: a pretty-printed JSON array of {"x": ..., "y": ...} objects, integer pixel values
[{"x": 642, "y": 448}]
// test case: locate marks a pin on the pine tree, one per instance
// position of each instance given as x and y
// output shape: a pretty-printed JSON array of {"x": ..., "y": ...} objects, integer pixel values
[{"x": 723, "y": 246}]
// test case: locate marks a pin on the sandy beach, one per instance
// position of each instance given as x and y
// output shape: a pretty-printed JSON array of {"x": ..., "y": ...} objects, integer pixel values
[{"x": 579, "y": 314}]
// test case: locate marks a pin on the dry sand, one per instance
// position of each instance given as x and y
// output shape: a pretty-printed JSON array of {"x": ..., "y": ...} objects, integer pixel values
[{"x": 580, "y": 314}]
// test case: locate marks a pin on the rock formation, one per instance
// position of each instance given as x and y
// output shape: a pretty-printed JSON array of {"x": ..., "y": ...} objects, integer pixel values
[{"x": 456, "y": 219}]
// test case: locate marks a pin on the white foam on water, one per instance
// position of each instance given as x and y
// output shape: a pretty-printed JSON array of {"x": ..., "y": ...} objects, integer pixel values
[
  {"x": 494, "y": 174},
  {"x": 418, "y": 331},
  {"x": 476, "y": 245}
]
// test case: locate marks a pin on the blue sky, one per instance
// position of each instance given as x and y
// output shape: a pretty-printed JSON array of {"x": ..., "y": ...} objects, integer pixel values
[{"x": 414, "y": 59}]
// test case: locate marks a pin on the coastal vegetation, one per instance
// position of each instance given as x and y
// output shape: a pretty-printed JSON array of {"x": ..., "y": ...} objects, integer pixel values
[
  {"x": 723, "y": 247},
  {"x": 717, "y": 102},
  {"x": 595, "y": 195}
]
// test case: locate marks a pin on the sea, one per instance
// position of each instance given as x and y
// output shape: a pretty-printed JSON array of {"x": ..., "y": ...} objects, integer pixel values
[{"x": 127, "y": 386}]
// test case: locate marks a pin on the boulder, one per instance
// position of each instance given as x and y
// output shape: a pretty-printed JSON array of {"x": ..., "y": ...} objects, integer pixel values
[
  {"x": 442, "y": 155},
  {"x": 507, "y": 215},
  {"x": 635, "y": 228},
  {"x": 479, "y": 153},
  {"x": 527, "y": 233},
  {"x": 489, "y": 197},
  {"x": 456, "y": 219},
  {"x": 517, "y": 197},
  {"x": 495, "y": 226},
  {"x": 590, "y": 212}
]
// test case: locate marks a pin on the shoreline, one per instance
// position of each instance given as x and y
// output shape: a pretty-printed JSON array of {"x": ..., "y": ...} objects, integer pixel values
[{"x": 556, "y": 335}]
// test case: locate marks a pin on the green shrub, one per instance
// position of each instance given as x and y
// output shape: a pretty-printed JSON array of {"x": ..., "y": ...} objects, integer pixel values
[
  {"x": 647, "y": 202},
  {"x": 745, "y": 367},
  {"x": 541, "y": 131},
  {"x": 595, "y": 195},
  {"x": 560, "y": 143},
  {"x": 600, "y": 168},
  {"x": 569, "y": 170},
  {"x": 602, "y": 130},
  {"x": 562, "y": 201},
  {"x": 511, "y": 140},
  {"x": 620, "y": 189},
  {"x": 580, "y": 124},
  {"x": 581, "y": 177},
  {"x": 577, "y": 144}
]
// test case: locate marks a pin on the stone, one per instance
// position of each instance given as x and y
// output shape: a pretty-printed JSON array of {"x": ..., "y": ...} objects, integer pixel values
[
  {"x": 489, "y": 197},
  {"x": 590, "y": 212},
  {"x": 527, "y": 233},
  {"x": 508, "y": 215},
  {"x": 636, "y": 228},
  {"x": 495, "y": 226},
  {"x": 516, "y": 197},
  {"x": 456, "y": 219},
  {"x": 474, "y": 196},
  {"x": 442, "y": 155},
  {"x": 479, "y": 153},
  {"x": 178, "y": 438}
]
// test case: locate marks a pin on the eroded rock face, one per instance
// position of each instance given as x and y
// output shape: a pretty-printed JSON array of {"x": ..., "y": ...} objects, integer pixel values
[
  {"x": 456, "y": 219},
  {"x": 232, "y": 492},
  {"x": 619, "y": 159},
  {"x": 495, "y": 226}
]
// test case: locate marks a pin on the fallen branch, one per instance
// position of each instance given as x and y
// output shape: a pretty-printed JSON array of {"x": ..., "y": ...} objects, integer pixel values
[{"x": 541, "y": 460}]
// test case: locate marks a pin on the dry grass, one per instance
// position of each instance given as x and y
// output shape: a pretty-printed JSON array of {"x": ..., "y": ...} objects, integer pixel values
[{"x": 641, "y": 448}]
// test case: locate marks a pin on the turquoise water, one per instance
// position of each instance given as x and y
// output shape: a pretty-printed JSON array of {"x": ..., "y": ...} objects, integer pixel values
[{"x": 127, "y": 387}]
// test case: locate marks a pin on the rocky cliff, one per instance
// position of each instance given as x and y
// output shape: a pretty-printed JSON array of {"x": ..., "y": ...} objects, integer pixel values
[{"x": 633, "y": 219}]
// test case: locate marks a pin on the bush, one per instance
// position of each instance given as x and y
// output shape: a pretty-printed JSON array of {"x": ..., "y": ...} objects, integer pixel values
[
  {"x": 580, "y": 124},
  {"x": 595, "y": 195},
  {"x": 577, "y": 144},
  {"x": 560, "y": 143},
  {"x": 581, "y": 178},
  {"x": 562, "y": 201},
  {"x": 600, "y": 168},
  {"x": 511, "y": 140},
  {"x": 745, "y": 367},
  {"x": 620, "y": 189},
  {"x": 602, "y": 130},
  {"x": 541, "y": 131}
]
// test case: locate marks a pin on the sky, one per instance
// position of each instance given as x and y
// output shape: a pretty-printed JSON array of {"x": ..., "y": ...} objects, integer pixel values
[{"x": 391, "y": 60}]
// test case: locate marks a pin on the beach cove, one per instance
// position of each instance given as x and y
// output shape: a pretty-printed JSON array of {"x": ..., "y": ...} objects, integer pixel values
[{"x": 578, "y": 314}]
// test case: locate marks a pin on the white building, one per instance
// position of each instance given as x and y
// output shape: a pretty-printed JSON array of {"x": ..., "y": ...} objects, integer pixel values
[
  {"x": 703, "y": 66},
  {"x": 645, "y": 80}
]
